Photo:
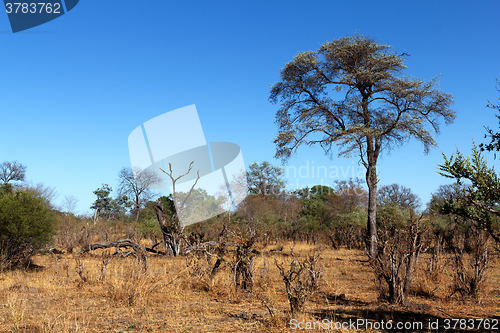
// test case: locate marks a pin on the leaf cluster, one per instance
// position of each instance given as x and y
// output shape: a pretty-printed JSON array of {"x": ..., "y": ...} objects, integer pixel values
[{"x": 480, "y": 200}]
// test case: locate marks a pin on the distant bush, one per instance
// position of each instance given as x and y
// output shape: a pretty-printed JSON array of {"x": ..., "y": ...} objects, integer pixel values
[{"x": 26, "y": 225}]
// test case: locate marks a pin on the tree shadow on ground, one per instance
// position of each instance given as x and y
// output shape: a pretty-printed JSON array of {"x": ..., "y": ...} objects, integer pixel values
[{"x": 355, "y": 314}]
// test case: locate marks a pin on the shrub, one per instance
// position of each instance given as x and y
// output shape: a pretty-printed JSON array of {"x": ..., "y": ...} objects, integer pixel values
[
  {"x": 26, "y": 225},
  {"x": 301, "y": 277},
  {"x": 399, "y": 248}
]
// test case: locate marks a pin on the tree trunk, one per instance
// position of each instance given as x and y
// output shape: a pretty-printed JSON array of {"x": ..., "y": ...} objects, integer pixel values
[
  {"x": 371, "y": 181},
  {"x": 172, "y": 231},
  {"x": 137, "y": 208}
]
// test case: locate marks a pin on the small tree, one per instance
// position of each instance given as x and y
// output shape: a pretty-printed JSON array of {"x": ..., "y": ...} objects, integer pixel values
[
  {"x": 106, "y": 206},
  {"x": 171, "y": 224},
  {"x": 301, "y": 277},
  {"x": 351, "y": 92},
  {"x": 26, "y": 225},
  {"x": 441, "y": 224},
  {"x": 469, "y": 269}
]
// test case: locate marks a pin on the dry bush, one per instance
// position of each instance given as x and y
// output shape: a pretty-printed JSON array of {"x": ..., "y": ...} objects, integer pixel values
[
  {"x": 201, "y": 270},
  {"x": 469, "y": 269},
  {"x": 399, "y": 248},
  {"x": 301, "y": 276}
]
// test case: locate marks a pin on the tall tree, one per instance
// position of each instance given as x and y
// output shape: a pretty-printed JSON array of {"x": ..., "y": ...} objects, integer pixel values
[
  {"x": 135, "y": 183},
  {"x": 351, "y": 92}
]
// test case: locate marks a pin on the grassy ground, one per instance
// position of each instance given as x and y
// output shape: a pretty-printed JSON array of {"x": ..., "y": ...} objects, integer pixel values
[{"x": 169, "y": 298}]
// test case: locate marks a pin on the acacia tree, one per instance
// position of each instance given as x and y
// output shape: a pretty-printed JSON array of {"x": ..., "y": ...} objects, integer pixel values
[
  {"x": 351, "y": 92},
  {"x": 135, "y": 183}
]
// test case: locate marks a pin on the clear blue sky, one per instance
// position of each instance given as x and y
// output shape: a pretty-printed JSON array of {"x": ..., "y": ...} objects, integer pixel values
[{"x": 73, "y": 89}]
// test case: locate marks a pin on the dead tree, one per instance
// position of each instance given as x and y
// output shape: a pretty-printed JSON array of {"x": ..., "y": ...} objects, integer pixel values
[
  {"x": 171, "y": 227},
  {"x": 171, "y": 230},
  {"x": 136, "y": 251}
]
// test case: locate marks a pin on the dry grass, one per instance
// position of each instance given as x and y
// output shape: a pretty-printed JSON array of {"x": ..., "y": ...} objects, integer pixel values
[{"x": 168, "y": 299}]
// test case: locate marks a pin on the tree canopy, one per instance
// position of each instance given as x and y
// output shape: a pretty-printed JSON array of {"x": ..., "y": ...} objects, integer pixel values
[
  {"x": 351, "y": 93},
  {"x": 265, "y": 179}
]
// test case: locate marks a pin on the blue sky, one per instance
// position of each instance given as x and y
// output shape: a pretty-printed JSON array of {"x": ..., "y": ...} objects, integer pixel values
[{"x": 74, "y": 88}]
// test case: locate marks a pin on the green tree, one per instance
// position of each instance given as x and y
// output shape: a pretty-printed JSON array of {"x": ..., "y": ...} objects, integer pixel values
[
  {"x": 480, "y": 200},
  {"x": 351, "y": 92},
  {"x": 316, "y": 213},
  {"x": 26, "y": 225},
  {"x": 106, "y": 206},
  {"x": 264, "y": 179}
]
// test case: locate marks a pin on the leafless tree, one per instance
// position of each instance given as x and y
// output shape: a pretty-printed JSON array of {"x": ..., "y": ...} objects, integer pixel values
[
  {"x": 12, "y": 171},
  {"x": 398, "y": 195},
  {"x": 69, "y": 204},
  {"x": 48, "y": 193},
  {"x": 171, "y": 226},
  {"x": 135, "y": 183}
]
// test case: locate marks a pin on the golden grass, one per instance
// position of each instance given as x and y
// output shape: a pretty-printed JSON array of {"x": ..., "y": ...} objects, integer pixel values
[{"x": 168, "y": 299}]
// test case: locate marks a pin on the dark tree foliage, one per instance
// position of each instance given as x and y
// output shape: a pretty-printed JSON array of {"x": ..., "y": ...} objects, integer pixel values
[
  {"x": 26, "y": 225},
  {"x": 351, "y": 93},
  {"x": 108, "y": 207},
  {"x": 316, "y": 213}
]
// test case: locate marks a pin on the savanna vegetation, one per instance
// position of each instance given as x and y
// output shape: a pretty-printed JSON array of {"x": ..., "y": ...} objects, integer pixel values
[{"x": 355, "y": 250}]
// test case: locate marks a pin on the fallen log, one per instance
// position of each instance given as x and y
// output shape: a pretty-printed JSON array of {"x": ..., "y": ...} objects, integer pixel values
[
  {"x": 116, "y": 244},
  {"x": 152, "y": 249}
]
